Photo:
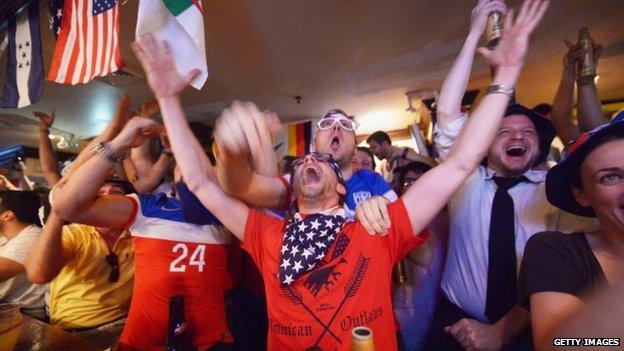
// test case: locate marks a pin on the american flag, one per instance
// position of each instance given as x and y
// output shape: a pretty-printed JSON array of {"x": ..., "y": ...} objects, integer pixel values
[
  {"x": 306, "y": 242},
  {"x": 87, "y": 45}
]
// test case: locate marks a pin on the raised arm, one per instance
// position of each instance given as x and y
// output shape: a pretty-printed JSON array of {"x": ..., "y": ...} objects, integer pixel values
[
  {"x": 563, "y": 104},
  {"x": 141, "y": 156},
  {"x": 439, "y": 184},
  {"x": 112, "y": 129},
  {"x": 46, "y": 259},
  {"x": 76, "y": 198},
  {"x": 589, "y": 108},
  {"x": 47, "y": 158},
  {"x": 167, "y": 84},
  {"x": 246, "y": 165},
  {"x": 454, "y": 86}
]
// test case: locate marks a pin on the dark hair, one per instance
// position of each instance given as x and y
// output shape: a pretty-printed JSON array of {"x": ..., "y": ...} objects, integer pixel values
[
  {"x": 24, "y": 204},
  {"x": 576, "y": 177},
  {"x": 336, "y": 111},
  {"x": 414, "y": 166},
  {"x": 203, "y": 133},
  {"x": 288, "y": 163},
  {"x": 543, "y": 109},
  {"x": 379, "y": 137},
  {"x": 369, "y": 153}
]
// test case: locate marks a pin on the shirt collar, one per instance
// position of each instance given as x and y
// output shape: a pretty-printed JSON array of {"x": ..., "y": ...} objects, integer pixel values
[{"x": 533, "y": 175}]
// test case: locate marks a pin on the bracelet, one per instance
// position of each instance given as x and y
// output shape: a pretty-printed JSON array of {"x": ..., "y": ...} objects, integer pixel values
[
  {"x": 500, "y": 89},
  {"x": 404, "y": 155},
  {"x": 103, "y": 150}
]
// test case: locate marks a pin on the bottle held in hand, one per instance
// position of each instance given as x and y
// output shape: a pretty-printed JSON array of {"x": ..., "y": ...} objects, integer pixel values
[
  {"x": 494, "y": 29},
  {"x": 586, "y": 67},
  {"x": 176, "y": 327}
]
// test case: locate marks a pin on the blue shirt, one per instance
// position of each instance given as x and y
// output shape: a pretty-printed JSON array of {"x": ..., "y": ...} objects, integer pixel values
[{"x": 364, "y": 184}]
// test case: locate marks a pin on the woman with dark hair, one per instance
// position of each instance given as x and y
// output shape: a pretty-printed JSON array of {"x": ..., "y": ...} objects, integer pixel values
[{"x": 561, "y": 271}]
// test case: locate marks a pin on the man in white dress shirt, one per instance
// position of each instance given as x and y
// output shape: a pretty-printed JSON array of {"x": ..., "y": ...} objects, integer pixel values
[{"x": 478, "y": 309}]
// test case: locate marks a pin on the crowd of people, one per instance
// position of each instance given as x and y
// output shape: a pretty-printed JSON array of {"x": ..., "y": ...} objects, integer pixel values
[{"x": 175, "y": 235}]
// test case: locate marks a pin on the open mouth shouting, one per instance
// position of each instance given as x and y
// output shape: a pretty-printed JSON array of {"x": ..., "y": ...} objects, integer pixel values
[
  {"x": 311, "y": 174},
  {"x": 335, "y": 143},
  {"x": 516, "y": 150}
]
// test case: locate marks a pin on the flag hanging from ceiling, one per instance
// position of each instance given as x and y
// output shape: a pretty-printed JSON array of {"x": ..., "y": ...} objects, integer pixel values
[
  {"x": 181, "y": 24},
  {"x": 299, "y": 138},
  {"x": 56, "y": 14},
  {"x": 24, "y": 78},
  {"x": 87, "y": 45}
]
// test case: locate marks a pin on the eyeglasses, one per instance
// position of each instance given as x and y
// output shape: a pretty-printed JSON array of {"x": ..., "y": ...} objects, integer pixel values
[
  {"x": 113, "y": 261},
  {"x": 329, "y": 122},
  {"x": 319, "y": 156}
]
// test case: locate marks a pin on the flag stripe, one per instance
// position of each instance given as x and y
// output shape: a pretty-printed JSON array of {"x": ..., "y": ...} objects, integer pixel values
[
  {"x": 300, "y": 140},
  {"x": 292, "y": 137},
  {"x": 22, "y": 32},
  {"x": 116, "y": 52},
  {"x": 77, "y": 67},
  {"x": 108, "y": 42},
  {"x": 97, "y": 29},
  {"x": 307, "y": 136},
  {"x": 10, "y": 96},
  {"x": 90, "y": 39},
  {"x": 176, "y": 7},
  {"x": 35, "y": 79}
]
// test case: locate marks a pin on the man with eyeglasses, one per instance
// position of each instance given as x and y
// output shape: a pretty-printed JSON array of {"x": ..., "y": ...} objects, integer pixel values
[
  {"x": 334, "y": 134},
  {"x": 323, "y": 274},
  {"x": 90, "y": 270}
]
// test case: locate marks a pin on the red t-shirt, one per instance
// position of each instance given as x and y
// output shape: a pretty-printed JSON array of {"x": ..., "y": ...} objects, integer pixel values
[{"x": 350, "y": 289}]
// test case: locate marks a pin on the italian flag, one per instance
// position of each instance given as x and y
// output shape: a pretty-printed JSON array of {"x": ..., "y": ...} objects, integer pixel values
[{"x": 181, "y": 24}]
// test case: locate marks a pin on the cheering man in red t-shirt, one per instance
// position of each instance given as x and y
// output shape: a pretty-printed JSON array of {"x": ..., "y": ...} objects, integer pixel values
[{"x": 325, "y": 275}]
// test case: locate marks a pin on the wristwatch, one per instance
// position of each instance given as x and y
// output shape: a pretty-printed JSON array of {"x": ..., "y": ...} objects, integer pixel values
[
  {"x": 500, "y": 89},
  {"x": 103, "y": 150}
]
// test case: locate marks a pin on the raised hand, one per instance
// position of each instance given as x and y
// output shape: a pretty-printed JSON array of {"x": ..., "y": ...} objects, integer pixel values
[
  {"x": 157, "y": 61},
  {"x": 135, "y": 132},
  {"x": 512, "y": 48},
  {"x": 45, "y": 120},
  {"x": 241, "y": 128},
  {"x": 481, "y": 12}
]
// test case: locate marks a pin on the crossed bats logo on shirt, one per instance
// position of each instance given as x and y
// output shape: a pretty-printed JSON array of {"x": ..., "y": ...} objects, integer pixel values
[{"x": 350, "y": 289}]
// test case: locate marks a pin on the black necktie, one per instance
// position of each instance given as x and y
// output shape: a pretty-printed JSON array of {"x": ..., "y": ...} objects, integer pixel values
[{"x": 502, "y": 285}]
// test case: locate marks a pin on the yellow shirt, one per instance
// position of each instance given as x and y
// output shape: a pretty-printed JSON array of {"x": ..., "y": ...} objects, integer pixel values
[{"x": 81, "y": 295}]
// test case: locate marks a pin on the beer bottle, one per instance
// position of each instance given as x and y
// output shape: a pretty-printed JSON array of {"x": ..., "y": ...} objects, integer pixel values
[
  {"x": 494, "y": 29},
  {"x": 176, "y": 326},
  {"x": 586, "y": 67},
  {"x": 399, "y": 273},
  {"x": 362, "y": 339}
]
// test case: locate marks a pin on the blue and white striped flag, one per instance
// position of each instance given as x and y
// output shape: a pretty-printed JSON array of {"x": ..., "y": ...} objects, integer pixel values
[{"x": 24, "y": 79}]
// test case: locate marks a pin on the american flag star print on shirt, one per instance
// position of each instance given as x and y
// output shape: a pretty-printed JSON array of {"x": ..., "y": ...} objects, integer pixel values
[{"x": 306, "y": 242}]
